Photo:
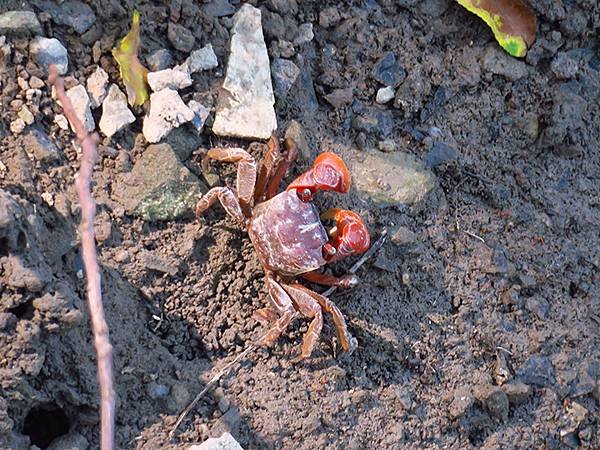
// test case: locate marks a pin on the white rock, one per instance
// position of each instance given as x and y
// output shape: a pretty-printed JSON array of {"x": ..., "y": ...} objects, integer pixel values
[
  {"x": 169, "y": 78},
  {"x": 385, "y": 94},
  {"x": 46, "y": 51},
  {"x": 81, "y": 103},
  {"x": 61, "y": 121},
  {"x": 96, "y": 87},
  {"x": 305, "y": 34},
  {"x": 202, "y": 59},
  {"x": 26, "y": 115},
  {"x": 36, "y": 83},
  {"x": 201, "y": 113},
  {"x": 167, "y": 111},
  {"x": 17, "y": 126},
  {"x": 115, "y": 113},
  {"x": 245, "y": 106},
  {"x": 225, "y": 442}
]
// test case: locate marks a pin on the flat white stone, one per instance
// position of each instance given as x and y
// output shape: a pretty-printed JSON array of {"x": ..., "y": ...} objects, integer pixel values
[
  {"x": 96, "y": 87},
  {"x": 169, "y": 78},
  {"x": 81, "y": 103},
  {"x": 61, "y": 121},
  {"x": 202, "y": 59},
  {"x": 167, "y": 111},
  {"x": 115, "y": 113},
  {"x": 385, "y": 94},
  {"x": 245, "y": 106},
  {"x": 225, "y": 442}
]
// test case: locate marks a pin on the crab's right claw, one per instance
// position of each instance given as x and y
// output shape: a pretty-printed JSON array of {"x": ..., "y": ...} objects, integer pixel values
[
  {"x": 349, "y": 237},
  {"x": 328, "y": 173}
]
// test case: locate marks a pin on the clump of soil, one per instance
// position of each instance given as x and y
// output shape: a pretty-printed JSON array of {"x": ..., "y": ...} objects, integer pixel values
[{"x": 478, "y": 321}]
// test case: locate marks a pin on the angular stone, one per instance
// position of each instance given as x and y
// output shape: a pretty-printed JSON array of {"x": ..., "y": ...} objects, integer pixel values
[
  {"x": 17, "y": 126},
  {"x": 115, "y": 113},
  {"x": 498, "y": 62},
  {"x": 305, "y": 34},
  {"x": 167, "y": 111},
  {"x": 181, "y": 38},
  {"x": 159, "y": 187},
  {"x": 71, "y": 13},
  {"x": 159, "y": 60},
  {"x": 385, "y": 94},
  {"x": 81, "y": 103},
  {"x": 338, "y": 98},
  {"x": 46, "y": 51},
  {"x": 201, "y": 113},
  {"x": 19, "y": 23},
  {"x": 169, "y": 78},
  {"x": 202, "y": 59},
  {"x": 284, "y": 73},
  {"x": 225, "y": 442},
  {"x": 26, "y": 115},
  {"x": 96, "y": 87},
  {"x": 537, "y": 370},
  {"x": 391, "y": 178},
  {"x": 388, "y": 71},
  {"x": 245, "y": 107},
  {"x": 218, "y": 8}
]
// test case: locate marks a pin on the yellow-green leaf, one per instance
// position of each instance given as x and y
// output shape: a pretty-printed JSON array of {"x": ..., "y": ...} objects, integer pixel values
[
  {"x": 132, "y": 71},
  {"x": 511, "y": 21}
]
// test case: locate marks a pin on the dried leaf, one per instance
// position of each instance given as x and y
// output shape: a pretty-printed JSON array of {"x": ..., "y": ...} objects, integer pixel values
[
  {"x": 133, "y": 72},
  {"x": 511, "y": 21}
]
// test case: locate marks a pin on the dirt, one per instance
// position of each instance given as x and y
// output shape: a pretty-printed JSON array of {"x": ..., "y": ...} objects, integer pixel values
[{"x": 477, "y": 323}]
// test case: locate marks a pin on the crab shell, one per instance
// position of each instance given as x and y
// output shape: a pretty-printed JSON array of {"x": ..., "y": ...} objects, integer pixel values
[{"x": 288, "y": 235}]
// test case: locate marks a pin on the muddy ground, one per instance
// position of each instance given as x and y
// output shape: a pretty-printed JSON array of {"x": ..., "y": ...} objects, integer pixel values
[{"x": 478, "y": 322}]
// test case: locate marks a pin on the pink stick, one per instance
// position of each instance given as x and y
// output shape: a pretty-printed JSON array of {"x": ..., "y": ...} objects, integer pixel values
[{"x": 83, "y": 182}]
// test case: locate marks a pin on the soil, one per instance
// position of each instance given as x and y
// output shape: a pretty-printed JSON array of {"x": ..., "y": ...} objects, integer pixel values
[{"x": 477, "y": 323}]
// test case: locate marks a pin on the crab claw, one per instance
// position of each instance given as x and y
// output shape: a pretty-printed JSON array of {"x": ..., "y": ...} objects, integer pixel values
[
  {"x": 328, "y": 173},
  {"x": 349, "y": 236}
]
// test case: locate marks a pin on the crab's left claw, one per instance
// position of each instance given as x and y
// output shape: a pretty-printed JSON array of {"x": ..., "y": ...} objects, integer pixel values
[
  {"x": 328, "y": 173},
  {"x": 349, "y": 236}
]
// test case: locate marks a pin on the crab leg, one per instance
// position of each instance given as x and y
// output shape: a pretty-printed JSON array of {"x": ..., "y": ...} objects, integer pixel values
[
  {"x": 299, "y": 294},
  {"x": 282, "y": 168},
  {"x": 267, "y": 167},
  {"x": 246, "y": 172},
  {"x": 283, "y": 303},
  {"x": 308, "y": 306},
  {"x": 228, "y": 200},
  {"x": 344, "y": 282}
]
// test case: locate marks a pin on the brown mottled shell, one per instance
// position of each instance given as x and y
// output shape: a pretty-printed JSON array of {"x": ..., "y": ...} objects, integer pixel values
[{"x": 288, "y": 235}]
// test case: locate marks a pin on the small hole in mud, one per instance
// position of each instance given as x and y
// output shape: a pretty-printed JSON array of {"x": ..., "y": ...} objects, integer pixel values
[
  {"x": 45, "y": 423},
  {"x": 21, "y": 241},
  {"x": 3, "y": 247},
  {"x": 23, "y": 311}
]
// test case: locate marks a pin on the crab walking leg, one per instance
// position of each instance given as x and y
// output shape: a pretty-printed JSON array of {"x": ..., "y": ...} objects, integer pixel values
[
  {"x": 282, "y": 168},
  {"x": 267, "y": 167},
  {"x": 246, "y": 172},
  {"x": 228, "y": 200},
  {"x": 344, "y": 282},
  {"x": 346, "y": 340},
  {"x": 283, "y": 303}
]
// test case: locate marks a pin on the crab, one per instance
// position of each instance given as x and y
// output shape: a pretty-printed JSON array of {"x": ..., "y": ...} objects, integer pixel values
[{"x": 288, "y": 235}]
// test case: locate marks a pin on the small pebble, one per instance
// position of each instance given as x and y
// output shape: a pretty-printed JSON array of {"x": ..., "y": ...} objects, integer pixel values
[
  {"x": 385, "y": 94},
  {"x": 61, "y": 121},
  {"x": 36, "y": 83},
  {"x": 17, "y": 126}
]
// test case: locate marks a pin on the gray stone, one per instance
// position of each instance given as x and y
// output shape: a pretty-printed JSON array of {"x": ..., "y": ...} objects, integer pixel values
[
  {"x": 71, "y": 13},
  {"x": 43, "y": 148},
  {"x": 159, "y": 60},
  {"x": 245, "y": 107},
  {"x": 391, "y": 178},
  {"x": 517, "y": 392},
  {"x": 498, "y": 62},
  {"x": 388, "y": 71},
  {"x": 159, "y": 187},
  {"x": 19, "y": 23},
  {"x": 284, "y": 73},
  {"x": 296, "y": 133},
  {"x": 96, "y": 87},
  {"x": 495, "y": 401},
  {"x": 115, "y": 112},
  {"x": 46, "y": 51},
  {"x": 385, "y": 94},
  {"x": 169, "y": 78},
  {"x": 338, "y": 98},
  {"x": 72, "y": 441},
  {"x": 440, "y": 153},
  {"x": 219, "y": 8},
  {"x": 305, "y": 34},
  {"x": 180, "y": 37},
  {"x": 563, "y": 66},
  {"x": 537, "y": 370},
  {"x": 81, "y": 103},
  {"x": 462, "y": 400},
  {"x": 225, "y": 442},
  {"x": 156, "y": 390},
  {"x": 201, "y": 113},
  {"x": 167, "y": 111},
  {"x": 202, "y": 59}
]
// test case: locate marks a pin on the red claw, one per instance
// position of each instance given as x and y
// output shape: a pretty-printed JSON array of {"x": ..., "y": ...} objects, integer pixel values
[
  {"x": 349, "y": 237},
  {"x": 328, "y": 173}
]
